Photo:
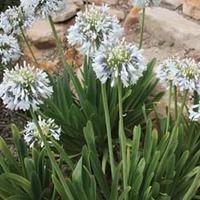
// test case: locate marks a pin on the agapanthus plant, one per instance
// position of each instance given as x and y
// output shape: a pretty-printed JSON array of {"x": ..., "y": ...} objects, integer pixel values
[
  {"x": 146, "y": 3},
  {"x": 182, "y": 73},
  {"x": 9, "y": 49},
  {"x": 24, "y": 87},
  {"x": 13, "y": 18},
  {"x": 119, "y": 60},
  {"x": 92, "y": 27},
  {"x": 49, "y": 128},
  {"x": 41, "y": 8}
]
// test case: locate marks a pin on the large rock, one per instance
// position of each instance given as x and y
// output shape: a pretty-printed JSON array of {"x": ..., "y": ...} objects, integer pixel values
[
  {"x": 68, "y": 12},
  {"x": 174, "y": 3},
  {"x": 118, "y": 13},
  {"x": 192, "y": 8},
  {"x": 41, "y": 36},
  {"x": 174, "y": 28}
]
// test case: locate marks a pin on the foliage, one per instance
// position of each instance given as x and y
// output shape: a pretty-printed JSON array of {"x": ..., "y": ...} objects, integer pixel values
[{"x": 68, "y": 111}]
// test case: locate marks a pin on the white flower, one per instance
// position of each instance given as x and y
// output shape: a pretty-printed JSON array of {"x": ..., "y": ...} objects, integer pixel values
[
  {"x": 194, "y": 113},
  {"x": 41, "y": 8},
  {"x": 119, "y": 60},
  {"x": 9, "y": 49},
  {"x": 12, "y": 19},
  {"x": 183, "y": 73},
  {"x": 146, "y": 3},
  {"x": 167, "y": 71},
  {"x": 188, "y": 77},
  {"x": 49, "y": 129},
  {"x": 92, "y": 27},
  {"x": 24, "y": 87}
]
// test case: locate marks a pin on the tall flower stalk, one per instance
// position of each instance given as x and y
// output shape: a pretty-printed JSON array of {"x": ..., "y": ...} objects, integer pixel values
[
  {"x": 142, "y": 29},
  {"x": 108, "y": 129}
]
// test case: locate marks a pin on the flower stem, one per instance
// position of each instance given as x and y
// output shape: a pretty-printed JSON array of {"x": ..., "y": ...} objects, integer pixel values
[
  {"x": 108, "y": 128},
  {"x": 196, "y": 100},
  {"x": 52, "y": 158},
  {"x": 122, "y": 136},
  {"x": 74, "y": 79},
  {"x": 29, "y": 46},
  {"x": 169, "y": 107},
  {"x": 175, "y": 102},
  {"x": 142, "y": 29}
]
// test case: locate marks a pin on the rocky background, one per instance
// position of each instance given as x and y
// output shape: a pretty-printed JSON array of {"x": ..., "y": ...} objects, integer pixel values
[{"x": 171, "y": 29}]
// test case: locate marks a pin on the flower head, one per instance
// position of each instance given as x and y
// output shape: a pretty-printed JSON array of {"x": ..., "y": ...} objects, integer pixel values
[
  {"x": 12, "y": 19},
  {"x": 49, "y": 128},
  {"x": 92, "y": 27},
  {"x": 24, "y": 87},
  {"x": 41, "y": 8},
  {"x": 183, "y": 73},
  {"x": 194, "y": 113},
  {"x": 9, "y": 49},
  {"x": 146, "y": 3},
  {"x": 119, "y": 60}
]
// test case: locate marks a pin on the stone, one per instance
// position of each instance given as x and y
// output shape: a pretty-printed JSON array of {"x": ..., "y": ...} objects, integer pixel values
[
  {"x": 192, "y": 8},
  {"x": 41, "y": 36},
  {"x": 108, "y": 2},
  {"x": 76, "y": 2},
  {"x": 132, "y": 18},
  {"x": 174, "y": 3},
  {"x": 67, "y": 13},
  {"x": 118, "y": 13},
  {"x": 172, "y": 27}
]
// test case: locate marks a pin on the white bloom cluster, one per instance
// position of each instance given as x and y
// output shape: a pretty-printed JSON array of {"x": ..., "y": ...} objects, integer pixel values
[
  {"x": 146, "y": 3},
  {"x": 92, "y": 27},
  {"x": 41, "y": 8},
  {"x": 12, "y": 19},
  {"x": 183, "y": 73},
  {"x": 9, "y": 49},
  {"x": 119, "y": 60},
  {"x": 194, "y": 113},
  {"x": 24, "y": 87},
  {"x": 49, "y": 128}
]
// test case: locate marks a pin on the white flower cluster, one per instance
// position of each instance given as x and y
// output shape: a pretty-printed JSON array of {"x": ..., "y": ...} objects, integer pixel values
[
  {"x": 12, "y": 19},
  {"x": 92, "y": 27},
  {"x": 194, "y": 112},
  {"x": 49, "y": 129},
  {"x": 41, "y": 8},
  {"x": 183, "y": 73},
  {"x": 146, "y": 3},
  {"x": 9, "y": 49},
  {"x": 119, "y": 60},
  {"x": 24, "y": 87}
]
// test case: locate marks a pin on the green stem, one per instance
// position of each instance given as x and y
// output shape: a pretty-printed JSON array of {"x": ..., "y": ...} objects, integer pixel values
[
  {"x": 122, "y": 136},
  {"x": 29, "y": 46},
  {"x": 169, "y": 107},
  {"x": 196, "y": 100},
  {"x": 70, "y": 71},
  {"x": 52, "y": 158},
  {"x": 142, "y": 29},
  {"x": 175, "y": 102},
  {"x": 108, "y": 128}
]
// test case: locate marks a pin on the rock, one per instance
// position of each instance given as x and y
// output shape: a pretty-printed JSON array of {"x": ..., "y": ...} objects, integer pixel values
[
  {"x": 67, "y": 13},
  {"x": 40, "y": 34},
  {"x": 132, "y": 18},
  {"x": 118, "y": 13},
  {"x": 172, "y": 27},
  {"x": 108, "y": 2},
  {"x": 174, "y": 3},
  {"x": 192, "y": 8},
  {"x": 76, "y": 2}
]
